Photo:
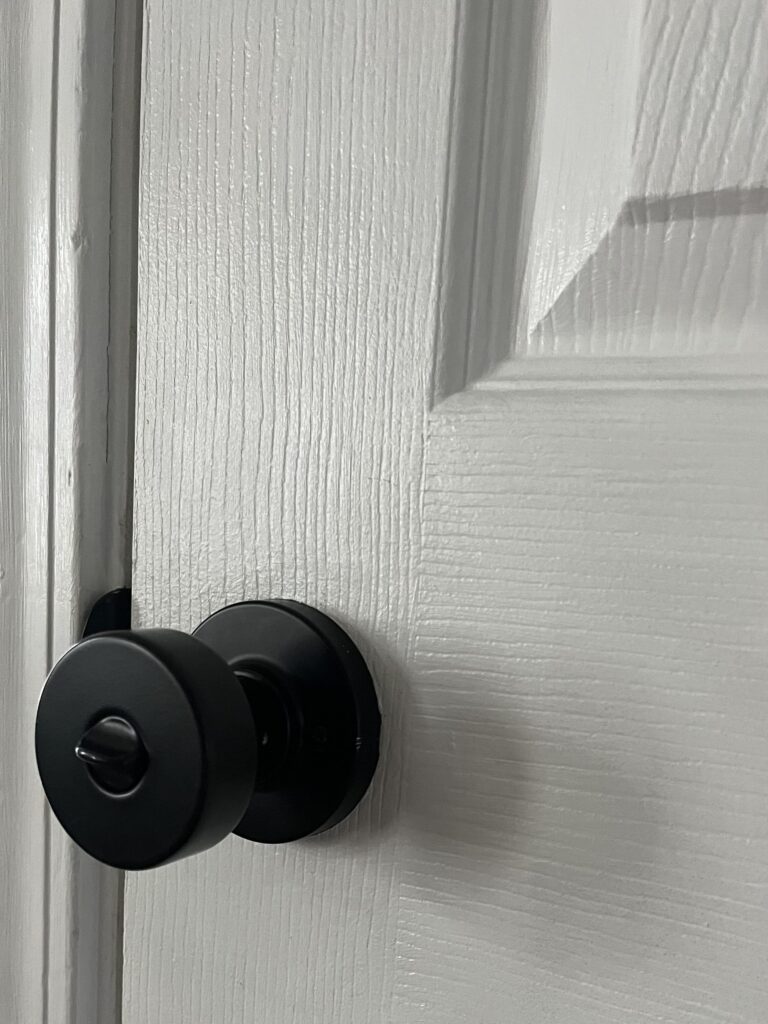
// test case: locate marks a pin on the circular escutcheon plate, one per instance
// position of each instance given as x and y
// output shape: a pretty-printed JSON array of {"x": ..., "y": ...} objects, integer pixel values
[{"x": 324, "y": 731}]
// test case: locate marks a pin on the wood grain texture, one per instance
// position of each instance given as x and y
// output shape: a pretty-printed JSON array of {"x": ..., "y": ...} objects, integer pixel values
[
  {"x": 585, "y": 804},
  {"x": 26, "y": 36},
  {"x": 64, "y": 473},
  {"x": 702, "y": 100},
  {"x": 649, "y": 225},
  {"x": 672, "y": 277},
  {"x": 292, "y": 180}
]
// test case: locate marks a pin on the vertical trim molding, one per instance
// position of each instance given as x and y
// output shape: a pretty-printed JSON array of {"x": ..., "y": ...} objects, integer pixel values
[
  {"x": 94, "y": 246},
  {"x": 68, "y": 187}
]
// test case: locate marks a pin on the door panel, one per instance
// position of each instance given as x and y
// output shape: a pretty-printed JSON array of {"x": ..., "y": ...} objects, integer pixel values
[
  {"x": 451, "y": 321},
  {"x": 586, "y": 790}
]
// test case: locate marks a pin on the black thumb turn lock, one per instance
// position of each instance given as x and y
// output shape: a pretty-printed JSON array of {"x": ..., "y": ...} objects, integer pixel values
[{"x": 152, "y": 744}]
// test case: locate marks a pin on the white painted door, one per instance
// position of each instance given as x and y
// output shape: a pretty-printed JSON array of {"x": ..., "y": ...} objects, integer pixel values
[{"x": 452, "y": 321}]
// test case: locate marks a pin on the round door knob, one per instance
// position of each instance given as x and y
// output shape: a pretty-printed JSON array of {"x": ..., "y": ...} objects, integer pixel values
[{"x": 152, "y": 744}]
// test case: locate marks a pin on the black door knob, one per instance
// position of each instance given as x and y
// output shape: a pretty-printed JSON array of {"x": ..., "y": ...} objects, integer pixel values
[{"x": 152, "y": 744}]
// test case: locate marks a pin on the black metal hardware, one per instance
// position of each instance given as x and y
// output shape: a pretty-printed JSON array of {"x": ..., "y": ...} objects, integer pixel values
[
  {"x": 111, "y": 611},
  {"x": 153, "y": 744}
]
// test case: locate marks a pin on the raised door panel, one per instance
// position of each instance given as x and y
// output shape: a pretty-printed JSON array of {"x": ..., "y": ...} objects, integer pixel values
[{"x": 649, "y": 223}]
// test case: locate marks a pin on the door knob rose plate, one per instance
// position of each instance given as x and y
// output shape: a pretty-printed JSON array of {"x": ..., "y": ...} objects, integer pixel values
[
  {"x": 153, "y": 744},
  {"x": 319, "y": 744}
]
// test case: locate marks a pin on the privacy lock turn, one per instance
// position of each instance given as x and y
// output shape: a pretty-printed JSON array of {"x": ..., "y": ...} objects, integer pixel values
[{"x": 153, "y": 744}]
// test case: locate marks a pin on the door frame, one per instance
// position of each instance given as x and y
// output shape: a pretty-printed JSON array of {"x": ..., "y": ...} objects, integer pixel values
[{"x": 71, "y": 145}]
